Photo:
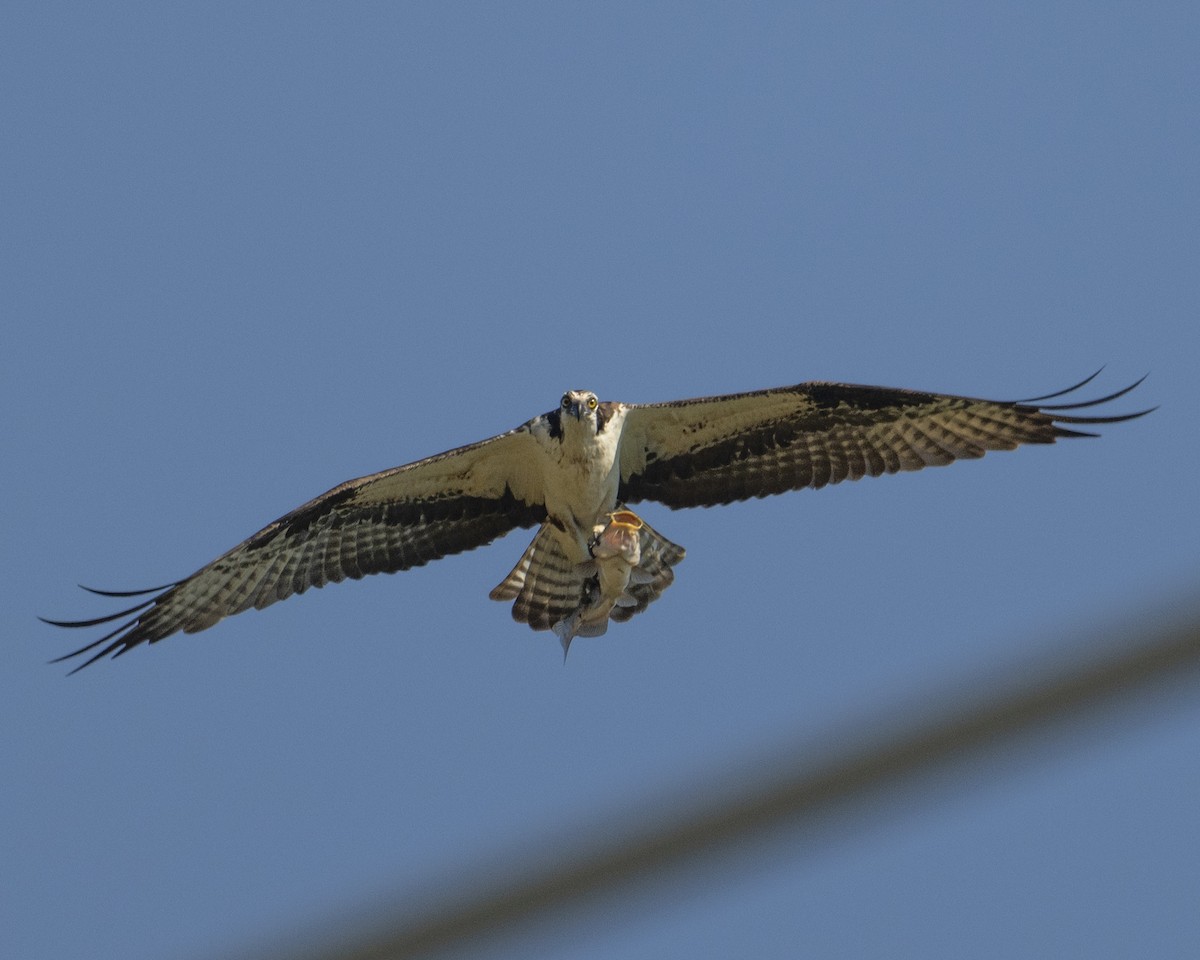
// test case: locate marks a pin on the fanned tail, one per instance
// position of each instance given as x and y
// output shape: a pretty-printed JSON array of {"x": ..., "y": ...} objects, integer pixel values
[
  {"x": 629, "y": 569},
  {"x": 545, "y": 585}
]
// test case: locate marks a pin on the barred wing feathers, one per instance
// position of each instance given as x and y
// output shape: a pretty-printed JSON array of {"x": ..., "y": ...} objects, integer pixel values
[
  {"x": 715, "y": 450},
  {"x": 389, "y": 521}
]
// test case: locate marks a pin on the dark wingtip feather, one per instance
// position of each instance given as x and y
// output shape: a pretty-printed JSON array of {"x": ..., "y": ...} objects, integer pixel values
[
  {"x": 119, "y": 633},
  {"x": 1057, "y": 411},
  {"x": 123, "y": 637},
  {"x": 1118, "y": 418},
  {"x": 96, "y": 656},
  {"x": 1064, "y": 432},
  {"x": 1060, "y": 393},
  {"x": 1097, "y": 401},
  {"x": 127, "y": 593},
  {"x": 96, "y": 621}
]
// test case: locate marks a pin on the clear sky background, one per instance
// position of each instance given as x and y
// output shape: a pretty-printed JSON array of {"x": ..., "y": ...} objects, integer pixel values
[{"x": 250, "y": 251}]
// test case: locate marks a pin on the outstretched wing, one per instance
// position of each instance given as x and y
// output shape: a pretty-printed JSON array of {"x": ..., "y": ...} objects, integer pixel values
[
  {"x": 715, "y": 450},
  {"x": 389, "y": 521}
]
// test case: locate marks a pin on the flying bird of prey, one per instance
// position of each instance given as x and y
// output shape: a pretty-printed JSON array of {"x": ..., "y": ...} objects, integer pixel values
[{"x": 571, "y": 473}]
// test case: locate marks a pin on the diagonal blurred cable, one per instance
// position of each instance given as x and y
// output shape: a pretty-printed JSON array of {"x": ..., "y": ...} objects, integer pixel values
[{"x": 974, "y": 720}]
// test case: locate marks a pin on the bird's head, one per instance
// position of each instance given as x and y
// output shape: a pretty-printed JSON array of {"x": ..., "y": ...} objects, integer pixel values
[{"x": 582, "y": 407}]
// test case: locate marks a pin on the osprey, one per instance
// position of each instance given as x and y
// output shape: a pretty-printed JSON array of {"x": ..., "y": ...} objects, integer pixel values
[{"x": 571, "y": 473}]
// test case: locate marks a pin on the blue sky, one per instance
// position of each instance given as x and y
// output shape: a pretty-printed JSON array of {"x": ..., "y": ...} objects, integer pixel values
[{"x": 250, "y": 252}]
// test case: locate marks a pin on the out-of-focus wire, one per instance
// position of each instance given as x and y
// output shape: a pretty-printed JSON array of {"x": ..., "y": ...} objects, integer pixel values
[{"x": 970, "y": 720}]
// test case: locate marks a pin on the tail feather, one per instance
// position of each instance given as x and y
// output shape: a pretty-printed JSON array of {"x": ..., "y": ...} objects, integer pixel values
[
  {"x": 545, "y": 585},
  {"x": 552, "y": 592}
]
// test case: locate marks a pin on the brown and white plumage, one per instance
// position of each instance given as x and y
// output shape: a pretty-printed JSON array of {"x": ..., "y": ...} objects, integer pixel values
[
  {"x": 550, "y": 591},
  {"x": 567, "y": 470}
]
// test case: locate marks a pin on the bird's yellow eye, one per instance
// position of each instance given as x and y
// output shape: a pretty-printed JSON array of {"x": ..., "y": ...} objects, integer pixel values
[
  {"x": 591, "y": 401},
  {"x": 566, "y": 400}
]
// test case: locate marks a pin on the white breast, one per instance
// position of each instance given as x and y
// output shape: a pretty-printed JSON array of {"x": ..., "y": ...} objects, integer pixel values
[{"x": 581, "y": 474}]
